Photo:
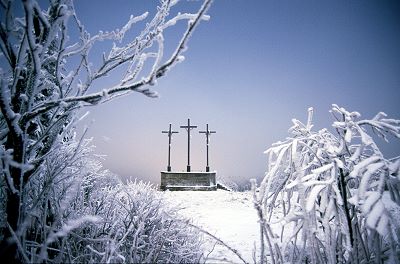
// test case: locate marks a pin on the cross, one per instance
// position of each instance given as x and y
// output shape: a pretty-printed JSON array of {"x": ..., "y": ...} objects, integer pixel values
[
  {"x": 188, "y": 128},
  {"x": 208, "y": 133},
  {"x": 170, "y": 133}
]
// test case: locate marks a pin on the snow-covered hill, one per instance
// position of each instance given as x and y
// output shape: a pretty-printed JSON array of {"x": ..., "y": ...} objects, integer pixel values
[{"x": 229, "y": 216}]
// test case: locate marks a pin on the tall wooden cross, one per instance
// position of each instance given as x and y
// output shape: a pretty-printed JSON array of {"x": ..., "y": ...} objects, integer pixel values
[
  {"x": 188, "y": 128},
  {"x": 208, "y": 133},
  {"x": 170, "y": 133}
]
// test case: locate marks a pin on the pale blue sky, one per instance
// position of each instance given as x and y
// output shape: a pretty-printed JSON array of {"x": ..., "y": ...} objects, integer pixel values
[{"x": 248, "y": 71}]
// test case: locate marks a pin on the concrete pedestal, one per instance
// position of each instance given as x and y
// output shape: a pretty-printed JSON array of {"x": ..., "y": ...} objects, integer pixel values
[{"x": 188, "y": 181}]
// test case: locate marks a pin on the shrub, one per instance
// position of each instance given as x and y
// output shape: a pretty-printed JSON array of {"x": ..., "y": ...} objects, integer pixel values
[
  {"x": 75, "y": 211},
  {"x": 136, "y": 227},
  {"x": 337, "y": 196}
]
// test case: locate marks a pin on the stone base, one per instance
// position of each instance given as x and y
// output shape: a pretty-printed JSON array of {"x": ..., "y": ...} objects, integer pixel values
[
  {"x": 191, "y": 188},
  {"x": 188, "y": 181}
]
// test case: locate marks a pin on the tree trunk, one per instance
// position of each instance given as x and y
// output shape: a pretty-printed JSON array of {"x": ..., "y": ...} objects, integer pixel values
[
  {"x": 343, "y": 190},
  {"x": 8, "y": 247}
]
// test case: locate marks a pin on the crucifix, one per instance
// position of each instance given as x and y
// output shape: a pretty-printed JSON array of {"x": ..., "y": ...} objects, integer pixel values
[
  {"x": 188, "y": 128},
  {"x": 208, "y": 133},
  {"x": 170, "y": 133}
]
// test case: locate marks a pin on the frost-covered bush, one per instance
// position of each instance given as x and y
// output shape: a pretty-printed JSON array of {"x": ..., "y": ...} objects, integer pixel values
[
  {"x": 332, "y": 197},
  {"x": 226, "y": 183},
  {"x": 135, "y": 227},
  {"x": 231, "y": 185},
  {"x": 75, "y": 211}
]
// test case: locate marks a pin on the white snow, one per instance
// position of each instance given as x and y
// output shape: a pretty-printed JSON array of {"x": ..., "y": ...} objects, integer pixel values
[{"x": 230, "y": 216}]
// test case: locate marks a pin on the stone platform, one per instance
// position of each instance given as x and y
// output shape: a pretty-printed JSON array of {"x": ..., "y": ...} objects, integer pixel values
[{"x": 188, "y": 181}]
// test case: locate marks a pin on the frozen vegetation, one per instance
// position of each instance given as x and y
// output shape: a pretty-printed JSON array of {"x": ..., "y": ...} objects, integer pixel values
[
  {"x": 89, "y": 216},
  {"x": 337, "y": 195}
]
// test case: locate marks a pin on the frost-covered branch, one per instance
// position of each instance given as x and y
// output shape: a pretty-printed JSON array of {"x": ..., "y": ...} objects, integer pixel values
[{"x": 118, "y": 57}]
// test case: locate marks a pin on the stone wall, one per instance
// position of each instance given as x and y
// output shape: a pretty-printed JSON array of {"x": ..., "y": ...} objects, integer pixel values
[{"x": 188, "y": 180}]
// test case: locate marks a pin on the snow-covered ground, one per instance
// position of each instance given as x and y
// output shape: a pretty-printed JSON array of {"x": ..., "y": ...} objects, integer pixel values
[{"x": 229, "y": 216}]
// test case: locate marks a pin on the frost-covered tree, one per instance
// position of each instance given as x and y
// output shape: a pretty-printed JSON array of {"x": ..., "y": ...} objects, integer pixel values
[
  {"x": 332, "y": 196},
  {"x": 46, "y": 76}
]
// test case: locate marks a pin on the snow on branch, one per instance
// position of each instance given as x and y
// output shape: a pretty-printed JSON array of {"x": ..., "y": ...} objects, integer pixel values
[
  {"x": 132, "y": 54},
  {"x": 333, "y": 190}
]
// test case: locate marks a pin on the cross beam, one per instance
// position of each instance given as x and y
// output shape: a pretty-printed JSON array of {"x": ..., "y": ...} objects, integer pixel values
[
  {"x": 170, "y": 133},
  {"x": 208, "y": 134},
  {"x": 188, "y": 128}
]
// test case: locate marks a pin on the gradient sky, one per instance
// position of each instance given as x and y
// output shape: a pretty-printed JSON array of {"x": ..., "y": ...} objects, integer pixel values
[{"x": 248, "y": 71}]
